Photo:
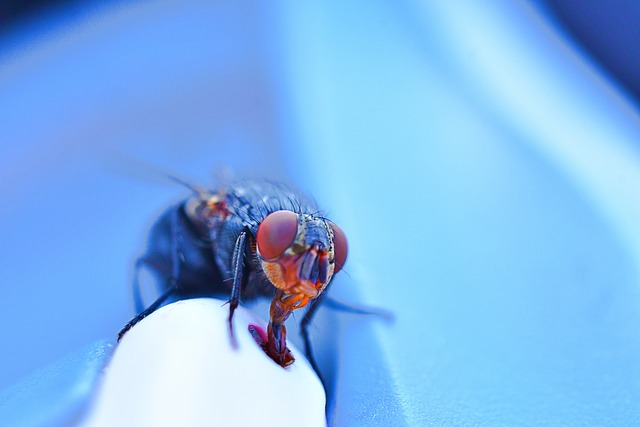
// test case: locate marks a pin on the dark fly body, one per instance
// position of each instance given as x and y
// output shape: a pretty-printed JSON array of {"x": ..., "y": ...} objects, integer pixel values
[{"x": 247, "y": 240}]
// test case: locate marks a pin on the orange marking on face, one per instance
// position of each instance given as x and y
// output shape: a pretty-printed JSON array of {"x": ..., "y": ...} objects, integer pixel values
[{"x": 283, "y": 274}]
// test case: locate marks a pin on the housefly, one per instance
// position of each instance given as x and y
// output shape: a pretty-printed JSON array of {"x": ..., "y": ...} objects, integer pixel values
[{"x": 247, "y": 240}]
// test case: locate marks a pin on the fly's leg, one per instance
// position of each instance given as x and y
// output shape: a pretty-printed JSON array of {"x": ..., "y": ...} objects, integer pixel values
[
  {"x": 335, "y": 304},
  {"x": 153, "y": 307},
  {"x": 304, "y": 332},
  {"x": 176, "y": 260},
  {"x": 238, "y": 265},
  {"x": 276, "y": 345}
]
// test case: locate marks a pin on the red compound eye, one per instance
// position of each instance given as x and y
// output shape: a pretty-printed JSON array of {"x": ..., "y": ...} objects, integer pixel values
[
  {"x": 276, "y": 233},
  {"x": 340, "y": 247}
]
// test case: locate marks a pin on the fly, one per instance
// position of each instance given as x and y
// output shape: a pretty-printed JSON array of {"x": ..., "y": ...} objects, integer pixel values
[{"x": 247, "y": 240}]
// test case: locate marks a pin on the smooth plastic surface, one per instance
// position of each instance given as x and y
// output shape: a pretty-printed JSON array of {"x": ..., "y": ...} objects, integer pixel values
[
  {"x": 178, "y": 367},
  {"x": 55, "y": 395}
]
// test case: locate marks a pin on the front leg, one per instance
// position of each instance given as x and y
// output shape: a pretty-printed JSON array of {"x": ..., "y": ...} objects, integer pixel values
[
  {"x": 238, "y": 270},
  {"x": 281, "y": 307}
]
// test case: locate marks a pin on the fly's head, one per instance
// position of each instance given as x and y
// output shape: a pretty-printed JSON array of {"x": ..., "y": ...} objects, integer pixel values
[{"x": 299, "y": 254}]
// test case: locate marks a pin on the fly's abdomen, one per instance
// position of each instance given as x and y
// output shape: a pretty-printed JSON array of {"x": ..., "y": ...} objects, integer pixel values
[{"x": 180, "y": 256}]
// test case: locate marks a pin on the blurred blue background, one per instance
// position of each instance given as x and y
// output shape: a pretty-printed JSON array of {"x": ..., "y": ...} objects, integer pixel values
[{"x": 483, "y": 161}]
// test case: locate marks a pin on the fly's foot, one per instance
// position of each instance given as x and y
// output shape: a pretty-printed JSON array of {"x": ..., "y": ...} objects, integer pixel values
[
  {"x": 283, "y": 358},
  {"x": 124, "y": 330},
  {"x": 282, "y": 355}
]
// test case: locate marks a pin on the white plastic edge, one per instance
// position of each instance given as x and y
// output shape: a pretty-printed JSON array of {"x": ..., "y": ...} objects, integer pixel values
[{"x": 178, "y": 367}]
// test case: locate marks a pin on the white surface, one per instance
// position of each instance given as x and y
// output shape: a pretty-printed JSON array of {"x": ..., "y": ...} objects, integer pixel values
[{"x": 177, "y": 368}]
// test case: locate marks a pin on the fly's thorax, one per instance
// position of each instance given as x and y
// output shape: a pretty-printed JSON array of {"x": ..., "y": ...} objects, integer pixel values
[{"x": 211, "y": 215}]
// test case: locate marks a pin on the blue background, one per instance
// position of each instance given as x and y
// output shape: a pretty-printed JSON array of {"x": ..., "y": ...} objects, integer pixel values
[{"x": 484, "y": 170}]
